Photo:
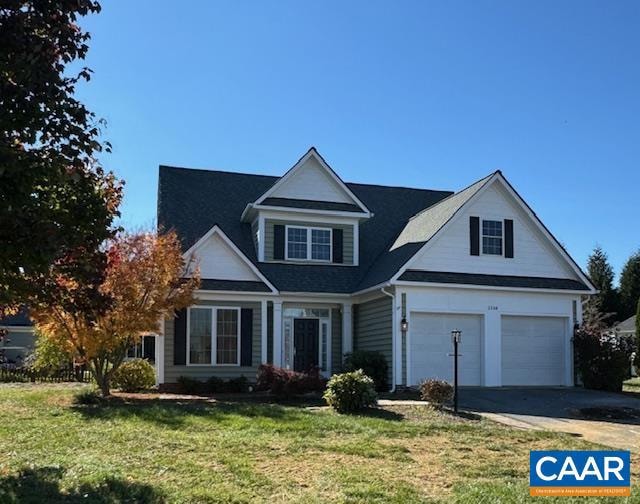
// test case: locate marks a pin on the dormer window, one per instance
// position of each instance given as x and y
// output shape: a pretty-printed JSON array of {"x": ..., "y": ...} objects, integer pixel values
[
  {"x": 308, "y": 244},
  {"x": 492, "y": 237}
]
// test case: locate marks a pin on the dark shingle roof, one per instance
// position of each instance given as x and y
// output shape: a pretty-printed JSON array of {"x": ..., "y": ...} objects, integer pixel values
[
  {"x": 193, "y": 201},
  {"x": 492, "y": 280},
  {"x": 315, "y": 205},
  {"x": 233, "y": 285}
]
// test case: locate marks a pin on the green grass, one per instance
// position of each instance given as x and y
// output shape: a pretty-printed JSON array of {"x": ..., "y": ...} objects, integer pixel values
[
  {"x": 632, "y": 385},
  {"x": 53, "y": 450}
]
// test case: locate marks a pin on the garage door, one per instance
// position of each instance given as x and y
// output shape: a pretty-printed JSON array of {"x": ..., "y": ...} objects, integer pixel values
[
  {"x": 430, "y": 347},
  {"x": 533, "y": 350}
]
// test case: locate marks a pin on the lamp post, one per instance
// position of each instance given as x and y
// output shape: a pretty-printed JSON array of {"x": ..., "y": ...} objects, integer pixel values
[{"x": 456, "y": 337}]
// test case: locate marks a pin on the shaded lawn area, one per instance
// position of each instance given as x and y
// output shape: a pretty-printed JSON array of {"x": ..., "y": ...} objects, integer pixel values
[
  {"x": 184, "y": 451},
  {"x": 632, "y": 385}
]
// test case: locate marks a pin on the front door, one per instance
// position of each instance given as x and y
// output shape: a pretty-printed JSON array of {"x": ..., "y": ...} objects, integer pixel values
[{"x": 305, "y": 343}]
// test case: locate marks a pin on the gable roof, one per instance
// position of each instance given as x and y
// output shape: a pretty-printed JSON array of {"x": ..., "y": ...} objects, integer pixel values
[
  {"x": 426, "y": 225},
  {"x": 192, "y": 201},
  {"x": 301, "y": 164},
  {"x": 628, "y": 325},
  {"x": 402, "y": 220},
  {"x": 241, "y": 257}
]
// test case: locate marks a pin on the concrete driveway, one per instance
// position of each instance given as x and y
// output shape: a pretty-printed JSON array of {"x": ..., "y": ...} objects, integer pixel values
[{"x": 562, "y": 409}]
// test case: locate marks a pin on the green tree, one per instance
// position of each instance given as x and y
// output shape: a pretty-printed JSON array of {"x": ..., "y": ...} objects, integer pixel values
[
  {"x": 57, "y": 204},
  {"x": 638, "y": 334},
  {"x": 630, "y": 286},
  {"x": 601, "y": 274}
]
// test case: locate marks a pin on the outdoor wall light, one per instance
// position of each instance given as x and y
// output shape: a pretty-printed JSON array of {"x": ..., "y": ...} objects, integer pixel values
[
  {"x": 456, "y": 336},
  {"x": 404, "y": 325}
]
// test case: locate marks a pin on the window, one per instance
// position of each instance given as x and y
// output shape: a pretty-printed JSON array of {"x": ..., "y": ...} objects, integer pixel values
[
  {"x": 296, "y": 243},
  {"x": 321, "y": 244},
  {"x": 492, "y": 237},
  {"x": 200, "y": 336},
  {"x": 227, "y": 337},
  {"x": 308, "y": 243},
  {"x": 214, "y": 336}
]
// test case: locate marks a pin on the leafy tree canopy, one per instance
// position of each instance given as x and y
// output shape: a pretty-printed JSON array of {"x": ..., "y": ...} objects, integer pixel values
[
  {"x": 57, "y": 204},
  {"x": 601, "y": 274},
  {"x": 144, "y": 281},
  {"x": 630, "y": 286}
]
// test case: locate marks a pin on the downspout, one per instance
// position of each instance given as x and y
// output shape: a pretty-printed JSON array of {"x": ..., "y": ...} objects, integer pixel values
[{"x": 393, "y": 337}]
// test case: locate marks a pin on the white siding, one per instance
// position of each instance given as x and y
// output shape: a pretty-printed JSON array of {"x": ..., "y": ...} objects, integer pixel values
[
  {"x": 219, "y": 261},
  {"x": 312, "y": 182},
  {"x": 533, "y": 254},
  {"x": 494, "y": 307}
]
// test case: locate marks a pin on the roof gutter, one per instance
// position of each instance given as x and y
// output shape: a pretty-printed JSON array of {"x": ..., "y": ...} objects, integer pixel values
[{"x": 393, "y": 336}]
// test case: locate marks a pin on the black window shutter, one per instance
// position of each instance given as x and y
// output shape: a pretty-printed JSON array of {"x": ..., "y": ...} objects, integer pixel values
[
  {"x": 246, "y": 336},
  {"x": 180, "y": 338},
  {"x": 278, "y": 242},
  {"x": 337, "y": 245},
  {"x": 508, "y": 238},
  {"x": 474, "y": 235}
]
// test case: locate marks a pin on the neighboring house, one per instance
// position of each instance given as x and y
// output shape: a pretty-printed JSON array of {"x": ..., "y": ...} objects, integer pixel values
[
  {"x": 300, "y": 269},
  {"x": 628, "y": 328},
  {"x": 20, "y": 340}
]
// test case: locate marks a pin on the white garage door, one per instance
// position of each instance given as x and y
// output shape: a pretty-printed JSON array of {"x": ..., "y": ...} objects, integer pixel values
[
  {"x": 533, "y": 350},
  {"x": 431, "y": 347}
]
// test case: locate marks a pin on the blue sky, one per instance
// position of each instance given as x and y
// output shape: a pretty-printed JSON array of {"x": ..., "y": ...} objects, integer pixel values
[{"x": 421, "y": 94}]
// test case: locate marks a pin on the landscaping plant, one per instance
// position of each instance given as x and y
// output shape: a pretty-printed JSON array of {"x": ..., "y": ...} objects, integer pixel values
[
  {"x": 436, "y": 392},
  {"x": 351, "y": 392},
  {"x": 374, "y": 364},
  {"x": 134, "y": 375},
  {"x": 286, "y": 382},
  {"x": 144, "y": 283},
  {"x": 602, "y": 357}
]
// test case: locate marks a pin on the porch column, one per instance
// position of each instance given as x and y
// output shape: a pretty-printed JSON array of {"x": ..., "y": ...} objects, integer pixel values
[
  {"x": 347, "y": 328},
  {"x": 263, "y": 331},
  {"x": 277, "y": 333},
  {"x": 159, "y": 357}
]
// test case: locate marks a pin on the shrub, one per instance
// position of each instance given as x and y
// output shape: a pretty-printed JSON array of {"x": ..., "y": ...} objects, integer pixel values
[
  {"x": 236, "y": 385},
  {"x": 374, "y": 365},
  {"x": 285, "y": 382},
  {"x": 134, "y": 375},
  {"x": 48, "y": 357},
  {"x": 602, "y": 357},
  {"x": 437, "y": 392},
  {"x": 213, "y": 385},
  {"x": 190, "y": 385},
  {"x": 350, "y": 392}
]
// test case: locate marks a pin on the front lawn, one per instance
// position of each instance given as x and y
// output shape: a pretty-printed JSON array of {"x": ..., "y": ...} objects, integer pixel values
[
  {"x": 632, "y": 385},
  {"x": 52, "y": 450}
]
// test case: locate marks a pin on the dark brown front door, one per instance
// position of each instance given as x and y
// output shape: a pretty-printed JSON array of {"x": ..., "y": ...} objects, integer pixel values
[{"x": 305, "y": 343}]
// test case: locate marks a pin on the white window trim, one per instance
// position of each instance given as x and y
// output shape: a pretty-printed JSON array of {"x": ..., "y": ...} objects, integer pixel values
[
  {"x": 482, "y": 236},
  {"x": 309, "y": 230},
  {"x": 214, "y": 335}
]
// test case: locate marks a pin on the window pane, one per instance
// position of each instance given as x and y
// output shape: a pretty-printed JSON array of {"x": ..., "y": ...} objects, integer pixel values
[
  {"x": 296, "y": 243},
  {"x": 321, "y": 244},
  {"x": 324, "y": 345},
  {"x": 491, "y": 245},
  {"x": 491, "y": 228},
  {"x": 227, "y": 337},
  {"x": 200, "y": 336}
]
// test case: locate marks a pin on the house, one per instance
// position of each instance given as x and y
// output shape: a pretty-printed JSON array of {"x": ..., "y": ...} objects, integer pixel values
[
  {"x": 628, "y": 328},
  {"x": 20, "y": 338},
  {"x": 301, "y": 269}
]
